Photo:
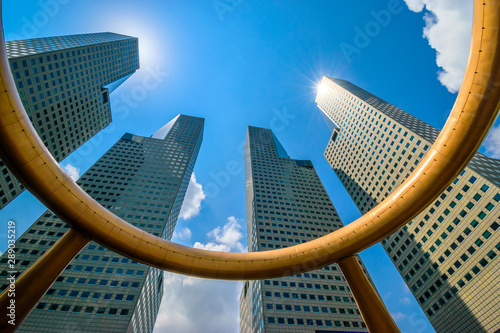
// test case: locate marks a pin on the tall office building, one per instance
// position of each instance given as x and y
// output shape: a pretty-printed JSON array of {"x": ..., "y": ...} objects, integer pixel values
[
  {"x": 447, "y": 254},
  {"x": 64, "y": 83},
  {"x": 142, "y": 180},
  {"x": 288, "y": 205}
]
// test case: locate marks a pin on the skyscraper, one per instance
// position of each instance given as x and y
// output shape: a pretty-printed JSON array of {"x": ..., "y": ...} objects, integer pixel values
[
  {"x": 64, "y": 83},
  {"x": 142, "y": 180},
  {"x": 447, "y": 254},
  {"x": 288, "y": 205}
]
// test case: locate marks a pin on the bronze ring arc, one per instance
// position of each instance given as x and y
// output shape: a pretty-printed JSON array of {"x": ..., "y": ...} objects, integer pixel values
[{"x": 472, "y": 116}]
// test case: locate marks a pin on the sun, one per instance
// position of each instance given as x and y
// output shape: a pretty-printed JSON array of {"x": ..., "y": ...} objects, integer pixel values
[{"x": 322, "y": 88}]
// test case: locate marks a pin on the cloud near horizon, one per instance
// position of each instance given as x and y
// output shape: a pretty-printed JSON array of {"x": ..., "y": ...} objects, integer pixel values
[
  {"x": 399, "y": 316},
  {"x": 212, "y": 247},
  {"x": 405, "y": 300},
  {"x": 192, "y": 201},
  {"x": 184, "y": 234},
  {"x": 72, "y": 171},
  {"x": 226, "y": 238},
  {"x": 198, "y": 305},
  {"x": 202, "y": 305},
  {"x": 492, "y": 143}
]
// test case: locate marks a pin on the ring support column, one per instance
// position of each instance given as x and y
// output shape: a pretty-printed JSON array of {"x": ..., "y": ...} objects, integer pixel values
[
  {"x": 37, "y": 279},
  {"x": 376, "y": 316}
]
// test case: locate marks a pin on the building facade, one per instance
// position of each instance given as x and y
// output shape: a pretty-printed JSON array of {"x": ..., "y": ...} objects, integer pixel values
[
  {"x": 447, "y": 255},
  {"x": 142, "y": 180},
  {"x": 64, "y": 83},
  {"x": 288, "y": 205}
]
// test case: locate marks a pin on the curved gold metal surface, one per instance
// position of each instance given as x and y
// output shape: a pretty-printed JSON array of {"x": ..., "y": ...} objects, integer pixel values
[
  {"x": 473, "y": 114},
  {"x": 375, "y": 315}
]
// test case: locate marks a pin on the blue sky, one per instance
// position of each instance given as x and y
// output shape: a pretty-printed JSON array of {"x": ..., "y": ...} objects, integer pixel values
[{"x": 238, "y": 63}]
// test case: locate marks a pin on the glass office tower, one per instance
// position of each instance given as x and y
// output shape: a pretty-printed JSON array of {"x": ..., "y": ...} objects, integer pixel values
[
  {"x": 288, "y": 205},
  {"x": 64, "y": 83},
  {"x": 143, "y": 180},
  {"x": 448, "y": 254}
]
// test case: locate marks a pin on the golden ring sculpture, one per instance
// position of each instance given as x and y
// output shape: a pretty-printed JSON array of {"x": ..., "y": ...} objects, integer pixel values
[{"x": 473, "y": 114}]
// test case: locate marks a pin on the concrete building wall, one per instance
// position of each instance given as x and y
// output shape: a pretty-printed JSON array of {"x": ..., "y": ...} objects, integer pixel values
[
  {"x": 64, "y": 84},
  {"x": 447, "y": 254},
  {"x": 288, "y": 205},
  {"x": 142, "y": 180}
]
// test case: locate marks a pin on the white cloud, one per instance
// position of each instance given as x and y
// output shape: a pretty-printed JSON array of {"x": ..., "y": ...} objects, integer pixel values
[
  {"x": 198, "y": 305},
  {"x": 492, "y": 143},
  {"x": 184, "y": 234},
  {"x": 212, "y": 247},
  {"x": 192, "y": 201},
  {"x": 226, "y": 238},
  {"x": 230, "y": 234},
  {"x": 398, "y": 316},
  {"x": 404, "y": 300},
  {"x": 72, "y": 171},
  {"x": 448, "y": 26},
  {"x": 415, "y": 5}
]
